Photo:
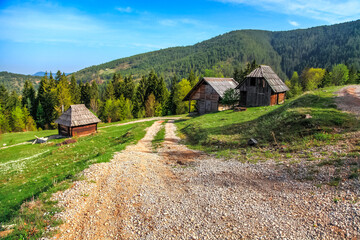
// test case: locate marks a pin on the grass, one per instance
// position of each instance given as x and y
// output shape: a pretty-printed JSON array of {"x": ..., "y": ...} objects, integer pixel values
[
  {"x": 159, "y": 137},
  {"x": 226, "y": 133},
  {"x": 28, "y": 170}
]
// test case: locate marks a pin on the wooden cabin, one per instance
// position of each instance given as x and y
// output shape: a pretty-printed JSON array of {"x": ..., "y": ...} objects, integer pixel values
[
  {"x": 262, "y": 87},
  {"x": 77, "y": 121},
  {"x": 208, "y": 93}
]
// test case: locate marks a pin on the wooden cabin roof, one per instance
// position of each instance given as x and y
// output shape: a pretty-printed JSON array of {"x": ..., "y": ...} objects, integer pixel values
[
  {"x": 263, "y": 71},
  {"x": 220, "y": 85},
  {"x": 77, "y": 115}
]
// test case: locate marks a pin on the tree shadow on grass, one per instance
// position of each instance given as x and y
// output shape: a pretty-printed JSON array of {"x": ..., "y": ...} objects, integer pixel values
[{"x": 305, "y": 116}]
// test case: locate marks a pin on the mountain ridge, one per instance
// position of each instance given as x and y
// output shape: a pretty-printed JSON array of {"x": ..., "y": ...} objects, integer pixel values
[{"x": 285, "y": 51}]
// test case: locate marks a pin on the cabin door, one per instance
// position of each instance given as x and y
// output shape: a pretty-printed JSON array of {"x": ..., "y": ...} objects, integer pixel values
[{"x": 243, "y": 97}]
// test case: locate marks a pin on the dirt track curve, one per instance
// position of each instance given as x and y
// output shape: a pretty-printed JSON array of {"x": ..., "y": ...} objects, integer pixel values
[
  {"x": 349, "y": 99},
  {"x": 177, "y": 193}
]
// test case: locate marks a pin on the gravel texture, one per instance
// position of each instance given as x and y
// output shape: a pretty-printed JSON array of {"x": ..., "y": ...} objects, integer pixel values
[
  {"x": 349, "y": 99},
  {"x": 177, "y": 193}
]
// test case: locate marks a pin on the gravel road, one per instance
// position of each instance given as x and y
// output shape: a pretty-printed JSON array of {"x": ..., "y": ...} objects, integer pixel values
[
  {"x": 177, "y": 193},
  {"x": 349, "y": 99}
]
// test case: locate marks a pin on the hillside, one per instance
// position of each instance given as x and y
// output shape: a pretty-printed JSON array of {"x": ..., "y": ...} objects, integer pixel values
[
  {"x": 285, "y": 51},
  {"x": 13, "y": 81}
]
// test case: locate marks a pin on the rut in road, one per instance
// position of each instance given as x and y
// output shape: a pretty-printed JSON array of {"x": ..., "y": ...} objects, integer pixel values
[{"x": 177, "y": 193}]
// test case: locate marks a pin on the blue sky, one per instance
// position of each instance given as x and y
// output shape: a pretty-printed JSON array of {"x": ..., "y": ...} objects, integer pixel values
[{"x": 70, "y": 35}]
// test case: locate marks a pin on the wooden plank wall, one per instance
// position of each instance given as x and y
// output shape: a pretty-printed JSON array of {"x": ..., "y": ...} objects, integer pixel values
[
  {"x": 83, "y": 130},
  {"x": 64, "y": 130},
  {"x": 258, "y": 95},
  {"x": 207, "y": 99}
]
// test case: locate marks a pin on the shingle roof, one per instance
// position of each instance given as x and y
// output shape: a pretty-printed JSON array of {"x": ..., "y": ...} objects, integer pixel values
[
  {"x": 276, "y": 84},
  {"x": 220, "y": 85},
  {"x": 77, "y": 115}
]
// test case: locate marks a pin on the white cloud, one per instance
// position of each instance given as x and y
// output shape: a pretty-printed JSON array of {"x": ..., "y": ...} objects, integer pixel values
[
  {"x": 296, "y": 24},
  {"x": 168, "y": 22},
  {"x": 331, "y": 11},
  {"x": 124, "y": 10},
  {"x": 182, "y": 21}
]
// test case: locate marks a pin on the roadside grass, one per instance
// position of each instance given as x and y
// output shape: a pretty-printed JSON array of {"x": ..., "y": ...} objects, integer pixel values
[
  {"x": 24, "y": 176},
  {"x": 19, "y": 137},
  {"x": 159, "y": 137},
  {"x": 279, "y": 130}
]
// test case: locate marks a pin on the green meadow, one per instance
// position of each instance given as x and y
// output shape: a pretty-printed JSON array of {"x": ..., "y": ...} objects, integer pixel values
[{"x": 28, "y": 170}]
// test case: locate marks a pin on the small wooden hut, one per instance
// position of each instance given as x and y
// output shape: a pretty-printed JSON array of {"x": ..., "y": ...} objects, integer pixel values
[
  {"x": 262, "y": 87},
  {"x": 77, "y": 121},
  {"x": 208, "y": 92}
]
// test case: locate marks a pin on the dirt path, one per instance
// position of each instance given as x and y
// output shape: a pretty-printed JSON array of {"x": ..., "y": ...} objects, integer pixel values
[
  {"x": 178, "y": 193},
  {"x": 349, "y": 99}
]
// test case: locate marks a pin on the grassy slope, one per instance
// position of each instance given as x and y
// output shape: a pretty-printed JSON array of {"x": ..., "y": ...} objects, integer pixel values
[
  {"x": 23, "y": 175},
  {"x": 226, "y": 133}
]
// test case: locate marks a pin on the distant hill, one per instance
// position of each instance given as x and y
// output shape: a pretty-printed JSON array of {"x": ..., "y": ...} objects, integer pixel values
[
  {"x": 41, "y": 74},
  {"x": 285, "y": 51},
  {"x": 14, "y": 81}
]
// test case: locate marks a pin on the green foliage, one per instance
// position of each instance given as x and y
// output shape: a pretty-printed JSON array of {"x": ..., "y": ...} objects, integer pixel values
[
  {"x": 150, "y": 106},
  {"x": 74, "y": 91},
  {"x": 231, "y": 97},
  {"x": 109, "y": 92},
  {"x": 17, "y": 123},
  {"x": 181, "y": 90},
  {"x": 63, "y": 94},
  {"x": 85, "y": 94},
  {"x": 28, "y": 170},
  {"x": 339, "y": 75},
  {"x": 311, "y": 78}
]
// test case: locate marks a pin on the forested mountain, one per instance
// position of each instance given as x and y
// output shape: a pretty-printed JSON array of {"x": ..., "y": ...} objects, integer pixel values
[
  {"x": 285, "y": 51},
  {"x": 13, "y": 81}
]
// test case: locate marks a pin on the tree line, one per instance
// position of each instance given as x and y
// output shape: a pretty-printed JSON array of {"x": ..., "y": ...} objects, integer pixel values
[
  {"x": 313, "y": 78},
  {"x": 118, "y": 99}
]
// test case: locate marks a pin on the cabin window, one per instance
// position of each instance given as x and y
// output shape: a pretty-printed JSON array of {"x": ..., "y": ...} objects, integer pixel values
[{"x": 252, "y": 81}]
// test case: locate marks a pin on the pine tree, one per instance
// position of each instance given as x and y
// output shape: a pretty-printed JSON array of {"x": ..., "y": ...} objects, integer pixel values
[
  {"x": 139, "y": 99},
  {"x": 129, "y": 88},
  {"x": 74, "y": 91},
  {"x": 192, "y": 78},
  {"x": 57, "y": 77},
  {"x": 86, "y": 94},
  {"x": 40, "y": 116},
  {"x": 17, "y": 119},
  {"x": 28, "y": 120},
  {"x": 118, "y": 85},
  {"x": 28, "y": 95},
  {"x": 4, "y": 121},
  {"x": 171, "y": 106},
  {"x": 109, "y": 92},
  {"x": 237, "y": 75},
  {"x": 4, "y": 95},
  {"x": 63, "y": 95},
  {"x": 150, "y": 106}
]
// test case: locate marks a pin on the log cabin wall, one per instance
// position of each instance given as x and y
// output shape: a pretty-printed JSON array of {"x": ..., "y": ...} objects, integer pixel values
[
  {"x": 207, "y": 99},
  {"x": 83, "y": 130},
  {"x": 257, "y": 92},
  {"x": 64, "y": 130}
]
